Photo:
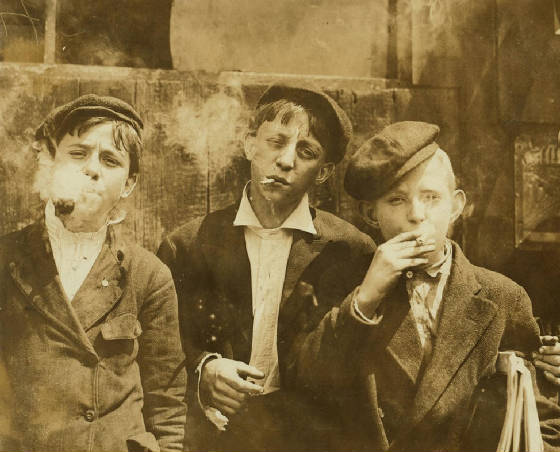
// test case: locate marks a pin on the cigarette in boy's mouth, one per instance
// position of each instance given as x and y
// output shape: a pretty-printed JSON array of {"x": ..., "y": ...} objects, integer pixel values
[
  {"x": 267, "y": 180},
  {"x": 428, "y": 232},
  {"x": 63, "y": 206}
]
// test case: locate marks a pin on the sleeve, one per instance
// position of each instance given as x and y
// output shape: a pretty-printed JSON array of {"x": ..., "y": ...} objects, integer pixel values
[
  {"x": 334, "y": 344},
  {"x": 161, "y": 363}
]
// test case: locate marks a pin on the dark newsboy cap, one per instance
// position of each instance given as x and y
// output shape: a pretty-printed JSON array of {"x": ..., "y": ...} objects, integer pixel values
[
  {"x": 321, "y": 105},
  {"x": 89, "y": 105},
  {"x": 386, "y": 157}
]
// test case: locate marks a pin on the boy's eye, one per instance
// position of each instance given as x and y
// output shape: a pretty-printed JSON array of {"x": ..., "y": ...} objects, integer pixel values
[
  {"x": 111, "y": 161},
  {"x": 77, "y": 153},
  {"x": 307, "y": 153},
  {"x": 432, "y": 197},
  {"x": 276, "y": 142},
  {"x": 395, "y": 200}
]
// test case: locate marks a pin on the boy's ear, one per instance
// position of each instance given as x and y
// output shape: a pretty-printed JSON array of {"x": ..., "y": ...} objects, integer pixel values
[
  {"x": 459, "y": 201},
  {"x": 368, "y": 214},
  {"x": 324, "y": 173},
  {"x": 129, "y": 186},
  {"x": 249, "y": 145}
]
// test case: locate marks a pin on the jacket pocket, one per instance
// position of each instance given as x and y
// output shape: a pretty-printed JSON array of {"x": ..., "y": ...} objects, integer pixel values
[
  {"x": 118, "y": 346},
  {"x": 142, "y": 442},
  {"x": 125, "y": 326}
]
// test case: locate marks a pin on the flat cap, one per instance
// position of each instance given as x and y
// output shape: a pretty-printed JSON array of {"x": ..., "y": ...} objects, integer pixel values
[
  {"x": 90, "y": 105},
  {"x": 321, "y": 105},
  {"x": 386, "y": 157}
]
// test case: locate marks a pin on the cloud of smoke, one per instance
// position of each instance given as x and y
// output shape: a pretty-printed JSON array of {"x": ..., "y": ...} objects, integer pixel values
[{"x": 212, "y": 130}]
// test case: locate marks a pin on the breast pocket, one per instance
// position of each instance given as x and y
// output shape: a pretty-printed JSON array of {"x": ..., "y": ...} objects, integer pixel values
[{"x": 117, "y": 343}]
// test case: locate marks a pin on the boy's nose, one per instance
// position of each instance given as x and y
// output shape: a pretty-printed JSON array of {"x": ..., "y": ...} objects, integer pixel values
[
  {"x": 287, "y": 158},
  {"x": 92, "y": 167},
  {"x": 417, "y": 211}
]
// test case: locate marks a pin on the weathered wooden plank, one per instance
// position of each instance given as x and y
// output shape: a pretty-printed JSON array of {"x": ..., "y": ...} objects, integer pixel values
[{"x": 173, "y": 185}]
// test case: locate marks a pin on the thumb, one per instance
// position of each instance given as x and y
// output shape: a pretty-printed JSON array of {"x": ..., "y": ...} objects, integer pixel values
[{"x": 244, "y": 370}]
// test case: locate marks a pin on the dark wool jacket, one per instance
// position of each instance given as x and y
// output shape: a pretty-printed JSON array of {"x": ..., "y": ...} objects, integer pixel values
[
  {"x": 373, "y": 375},
  {"x": 211, "y": 269},
  {"x": 100, "y": 374}
]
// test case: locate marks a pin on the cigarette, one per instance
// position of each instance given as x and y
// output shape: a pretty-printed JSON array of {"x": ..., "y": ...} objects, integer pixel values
[
  {"x": 63, "y": 206},
  {"x": 267, "y": 180}
]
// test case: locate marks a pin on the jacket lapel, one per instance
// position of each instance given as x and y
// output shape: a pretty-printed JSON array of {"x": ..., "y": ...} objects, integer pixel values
[
  {"x": 34, "y": 272},
  {"x": 103, "y": 285},
  {"x": 464, "y": 318},
  {"x": 305, "y": 248}
]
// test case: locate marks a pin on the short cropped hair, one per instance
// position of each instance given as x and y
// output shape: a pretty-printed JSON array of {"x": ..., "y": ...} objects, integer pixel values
[
  {"x": 444, "y": 159},
  {"x": 287, "y": 110},
  {"x": 125, "y": 136}
]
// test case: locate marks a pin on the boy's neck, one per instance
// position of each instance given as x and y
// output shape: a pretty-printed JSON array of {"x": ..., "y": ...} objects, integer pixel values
[
  {"x": 271, "y": 215},
  {"x": 73, "y": 224}
]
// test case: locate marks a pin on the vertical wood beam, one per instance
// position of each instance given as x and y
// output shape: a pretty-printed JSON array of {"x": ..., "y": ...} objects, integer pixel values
[{"x": 50, "y": 32}]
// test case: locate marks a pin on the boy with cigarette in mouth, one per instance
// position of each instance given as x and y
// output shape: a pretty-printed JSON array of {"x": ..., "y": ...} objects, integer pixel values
[
  {"x": 406, "y": 355},
  {"x": 88, "y": 320},
  {"x": 250, "y": 278}
]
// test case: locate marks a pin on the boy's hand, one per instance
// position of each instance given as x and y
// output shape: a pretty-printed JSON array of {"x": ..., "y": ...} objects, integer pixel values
[
  {"x": 390, "y": 260},
  {"x": 548, "y": 359},
  {"x": 223, "y": 385}
]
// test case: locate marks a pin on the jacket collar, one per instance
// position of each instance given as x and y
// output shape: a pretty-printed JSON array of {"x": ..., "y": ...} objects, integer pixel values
[{"x": 300, "y": 218}]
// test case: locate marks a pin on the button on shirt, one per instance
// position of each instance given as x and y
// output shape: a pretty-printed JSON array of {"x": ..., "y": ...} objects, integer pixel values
[
  {"x": 74, "y": 252},
  {"x": 268, "y": 251}
]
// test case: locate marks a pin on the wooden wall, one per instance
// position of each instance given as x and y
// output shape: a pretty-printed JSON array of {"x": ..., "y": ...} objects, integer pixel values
[{"x": 193, "y": 161}]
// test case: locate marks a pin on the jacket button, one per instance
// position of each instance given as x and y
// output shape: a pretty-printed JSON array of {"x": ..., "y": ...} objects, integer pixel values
[
  {"x": 89, "y": 415},
  {"x": 212, "y": 316}
]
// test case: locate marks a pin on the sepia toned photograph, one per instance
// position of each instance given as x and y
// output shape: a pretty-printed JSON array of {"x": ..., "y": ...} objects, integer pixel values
[{"x": 279, "y": 225}]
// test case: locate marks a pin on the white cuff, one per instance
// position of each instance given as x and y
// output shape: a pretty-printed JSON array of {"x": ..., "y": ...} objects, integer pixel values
[
  {"x": 212, "y": 414},
  {"x": 360, "y": 315}
]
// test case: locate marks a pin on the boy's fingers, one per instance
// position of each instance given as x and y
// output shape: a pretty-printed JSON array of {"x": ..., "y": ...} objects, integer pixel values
[
  {"x": 553, "y": 359},
  {"x": 244, "y": 370},
  {"x": 411, "y": 244},
  {"x": 415, "y": 262},
  {"x": 228, "y": 390},
  {"x": 248, "y": 387},
  {"x": 224, "y": 401},
  {"x": 417, "y": 250},
  {"x": 554, "y": 370},
  {"x": 405, "y": 236},
  {"x": 553, "y": 379}
]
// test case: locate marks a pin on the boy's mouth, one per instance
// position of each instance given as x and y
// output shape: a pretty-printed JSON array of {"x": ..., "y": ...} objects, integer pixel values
[
  {"x": 427, "y": 233},
  {"x": 274, "y": 179}
]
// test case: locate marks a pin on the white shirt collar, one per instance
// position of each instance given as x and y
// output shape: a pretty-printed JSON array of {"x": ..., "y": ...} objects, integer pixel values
[
  {"x": 57, "y": 231},
  {"x": 299, "y": 219}
]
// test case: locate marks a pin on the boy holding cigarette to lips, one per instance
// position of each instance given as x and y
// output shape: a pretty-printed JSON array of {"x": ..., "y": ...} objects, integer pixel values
[
  {"x": 251, "y": 277},
  {"x": 405, "y": 357},
  {"x": 88, "y": 320}
]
